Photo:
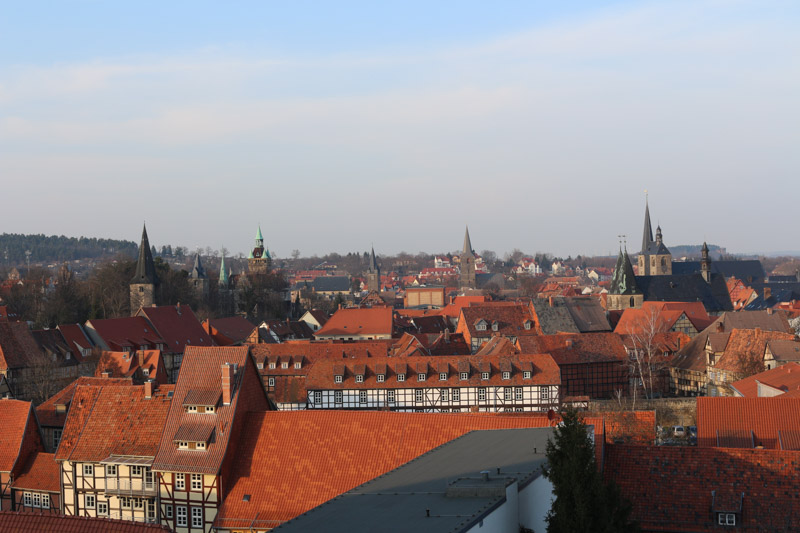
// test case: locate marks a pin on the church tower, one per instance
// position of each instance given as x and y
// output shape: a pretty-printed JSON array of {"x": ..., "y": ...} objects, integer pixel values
[
  {"x": 467, "y": 264},
  {"x": 199, "y": 279},
  {"x": 624, "y": 292},
  {"x": 259, "y": 260},
  {"x": 144, "y": 282},
  {"x": 654, "y": 259},
  {"x": 373, "y": 274},
  {"x": 705, "y": 264}
]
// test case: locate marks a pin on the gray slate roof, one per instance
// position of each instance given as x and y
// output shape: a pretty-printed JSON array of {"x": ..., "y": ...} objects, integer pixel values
[
  {"x": 750, "y": 270},
  {"x": 687, "y": 288},
  {"x": 397, "y": 501}
]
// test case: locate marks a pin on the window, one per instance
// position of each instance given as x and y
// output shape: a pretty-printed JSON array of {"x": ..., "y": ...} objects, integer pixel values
[
  {"x": 482, "y": 394},
  {"x": 518, "y": 393},
  {"x": 90, "y": 501},
  {"x": 284, "y": 365},
  {"x": 506, "y": 375},
  {"x": 180, "y": 482},
  {"x": 146, "y": 371},
  {"x": 37, "y": 499},
  {"x": 151, "y": 509},
  {"x": 337, "y": 379},
  {"x": 545, "y": 392},
  {"x": 507, "y": 393},
  {"x": 494, "y": 326},
  {"x": 200, "y": 446},
  {"x": 125, "y": 502},
  {"x": 527, "y": 324},
  {"x": 480, "y": 327},
  {"x": 317, "y": 396},
  {"x": 359, "y": 378},
  {"x": 362, "y": 396},
  {"x": 197, "y": 481},
  {"x": 209, "y": 409},
  {"x": 443, "y": 394},
  {"x": 57, "y": 437},
  {"x": 726, "y": 519},
  {"x": 297, "y": 366},
  {"x": 337, "y": 396},
  {"x": 484, "y": 375},
  {"x": 456, "y": 395},
  {"x": 380, "y": 378},
  {"x": 138, "y": 503},
  {"x": 197, "y": 517},
  {"x": 390, "y": 396},
  {"x": 272, "y": 366},
  {"x": 88, "y": 470},
  {"x": 442, "y": 376},
  {"x": 421, "y": 377},
  {"x": 401, "y": 377},
  {"x": 182, "y": 515},
  {"x": 418, "y": 396},
  {"x": 463, "y": 376},
  {"x": 102, "y": 508},
  {"x": 168, "y": 511},
  {"x": 260, "y": 366},
  {"x": 136, "y": 470},
  {"x": 45, "y": 501},
  {"x": 526, "y": 374},
  {"x": 183, "y": 445},
  {"x": 111, "y": 470},
  {"x": 271, "y": 382},
  {"x": 191, "y": 408},
  {"x": 27, "y": 499}
]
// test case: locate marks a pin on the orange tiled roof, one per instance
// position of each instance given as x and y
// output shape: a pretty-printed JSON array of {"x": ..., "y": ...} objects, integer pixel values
[
  {"x": 313, "y": 350},
  {"x": 41, "y": 472},
  {"x": 766, "y": 418},
  {"x": 510, "y": 320},
  {"x": 47, "y": 413},
  {"x": 15, "y": 415},
  {"x": 785, "y": 378},
  {"x": 201, "y": 369},
  {"x": 569, "y": 348},
  {"x": 115, "y": 420},
  {"x": 681, "y": 488},
  {"x": 24, "y": 522},
  {"x": 358, "y": 321},
  {"x": 133, "y": 365}
]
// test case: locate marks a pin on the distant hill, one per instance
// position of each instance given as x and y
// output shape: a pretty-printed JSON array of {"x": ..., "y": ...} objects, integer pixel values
[
  {"x": 56, "y": 248},
  {"x": 693, "y": 251}
]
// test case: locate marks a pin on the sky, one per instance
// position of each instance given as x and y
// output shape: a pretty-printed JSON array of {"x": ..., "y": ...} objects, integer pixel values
[{"x": 341, "y": 125}]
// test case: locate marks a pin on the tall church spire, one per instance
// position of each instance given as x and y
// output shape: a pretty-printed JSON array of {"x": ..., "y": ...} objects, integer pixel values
[
  {"x": 467, "y": 263},
  {"x": 373, "y": 273},
  {"x": 467, "y": 243},
  {"x": 647, "y": 238},
  {"x": 223, "y": 273},
  {"x": 145, "y": 268}
]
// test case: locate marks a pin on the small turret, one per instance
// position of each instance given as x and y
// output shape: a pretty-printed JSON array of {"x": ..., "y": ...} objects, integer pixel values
[{"x": 705, "y": 263}]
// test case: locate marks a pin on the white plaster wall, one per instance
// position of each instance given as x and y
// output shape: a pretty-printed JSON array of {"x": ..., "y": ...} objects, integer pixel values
[
  {"x": 534, "y": 504},
  {"x": 504, "y": 519}
]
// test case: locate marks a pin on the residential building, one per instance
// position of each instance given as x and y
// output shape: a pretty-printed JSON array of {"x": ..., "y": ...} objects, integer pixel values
[
  {"x": 24, "y": 522},
  {"x": 783, "y": 381},
  {"x": 19, "y": 439},
  {"x": 480, "y": 323},
  {"x": 315, "y": 318},
  {"x": 764, "y": 423},
  {"x": 37, "y": 488},
  {"x": 358, "y": 324},
  {"x": 140, "y": 366}
]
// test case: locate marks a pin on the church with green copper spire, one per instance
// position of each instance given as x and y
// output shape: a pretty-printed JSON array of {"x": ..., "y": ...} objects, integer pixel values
[{"x": 259, "y": 260}]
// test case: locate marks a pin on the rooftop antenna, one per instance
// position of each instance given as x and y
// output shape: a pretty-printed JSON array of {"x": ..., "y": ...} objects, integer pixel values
[{"x": 623, "y": 241}]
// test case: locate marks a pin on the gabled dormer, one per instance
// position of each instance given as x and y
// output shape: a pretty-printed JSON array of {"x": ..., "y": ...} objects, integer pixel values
[
  {"x": 359, "y": 371},
  {"x": 463, "y": 370},
  {"x": 422, "y": 371},
  {"x": 505, "y": 368},
  {"x": 380, "y": 372},
  {"x": 202, "y": 401},
  {"x": 481, "y": 325},
  {"x": 495, "y": 325},
  {"x": 338, "y": 373},
  {"x": 401, "y": 369},
  {"x": 195, "y": 437}
]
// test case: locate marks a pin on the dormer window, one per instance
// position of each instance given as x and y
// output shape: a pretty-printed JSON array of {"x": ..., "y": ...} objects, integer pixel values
[
  {"x": 495, "y": 326},
  {"x": 146, "y": 371},
  {"x": 209, "y": 408},
  {"x": 200, "y": 446},
  {"x": 191, "y": 408},
  {"x": 183, "y": 445},
  {"x": 526, "y": 374},
  {"x": 380, "y": 378},
  {"x": 726, "y": 519},
  {"x": 463, "y": 376},
  {"x": 337, "y": 378},
  {"x": 481, "y": 326},
  {"x": 284, "y": 365},
  {"x": 359, "y": 378},
  {"x": 484, "y": 375},
  {"x": 260, "y": 366},
  {"x": 527, "y": 324},
  {"x": 297, "y": 365},
  {"x": 442, "y": 376},
  {"x": 421, "y": 377},
  {"x": 271, "y": 365},
  {"x": 401, "y": 377},
  {"x": 506, "y": 375}
]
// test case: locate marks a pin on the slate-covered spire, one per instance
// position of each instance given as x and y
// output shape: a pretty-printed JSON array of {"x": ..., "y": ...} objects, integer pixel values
[
  {"x": 373, "y": 263},
  {"x": 197, "y": 272},
  {"x": 647, "y": 238},
  {"x": 145, "y": 268},
  {"x": 223, "y": 273},
  {"x": 624, "y": 279},
  {"x": 467, "y": 243},
  {"x": 259, "y": 238}
]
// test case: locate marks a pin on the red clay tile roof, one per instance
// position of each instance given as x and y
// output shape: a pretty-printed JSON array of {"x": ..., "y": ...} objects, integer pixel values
[
  {"x": 765, "y": 417},
  {"x": 195, "y": 428},
  {"x": 133, "y": 365},
  {"x": 17, "y": 345},
  {"x": 230, "y": 330},
  {"x": 568, "y": 348},
  {"x": 127, "y": 332},
  {"x": 313, "y": 350},
  {"x": 662, "y": 316},
  {"x": 510, "y": 320},
  {"x": 785, "y": 378},
  {"x": 681, "y": 488},
  {"x": 15, "y": 415},
  {"x": 369, "y": 321},
  {"x": 41, "y": 472},
  {"x": 545, "y": 372},
  {"x": 115, "y": 420},
  {"x": 75, "y": 337},
  {"x": 178, "y": 326},
  {"x": 201, "y": 369},
  {"x": 292, "y": 461},
  {"x": 18, "y": 522},
  {"x": 47, "y": 413}
]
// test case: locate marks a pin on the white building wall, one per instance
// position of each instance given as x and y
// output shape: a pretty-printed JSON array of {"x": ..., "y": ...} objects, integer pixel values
[
  {"x": 535, "y": 501},
  {"x": 505, "y": 518}
]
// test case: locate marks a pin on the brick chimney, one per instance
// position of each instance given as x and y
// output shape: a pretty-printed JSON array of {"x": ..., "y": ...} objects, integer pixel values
[
  {"x": 720, "y": 327},
  {"x": 228, "y": 370},
  {"x": 149, "y": 387},
  {"x": 140, "y": 353},
  {"x": 106, "y": 374}
]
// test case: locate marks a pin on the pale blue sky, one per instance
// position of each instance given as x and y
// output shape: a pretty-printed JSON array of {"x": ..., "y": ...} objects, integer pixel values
[{"x": 340, "y": 124}]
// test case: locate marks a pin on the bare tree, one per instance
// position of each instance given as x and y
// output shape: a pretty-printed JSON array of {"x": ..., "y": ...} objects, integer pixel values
[{"x": 646, "y": 359}]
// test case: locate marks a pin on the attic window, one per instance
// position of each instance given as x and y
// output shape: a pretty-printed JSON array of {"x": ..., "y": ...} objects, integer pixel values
[
  {"x": 421, "y": 377},
  {"x": 337, "y": 379},
  {"x": 146, "y": 371},
  {"x": 526, "y": 374},
  {"x": 506, "y": 375},
  {"x": 359, "y": 378},
  {"x": 442, "y": 376},
  {"x": 480, "y": 327},
  {"x": 380, "y": 378},
  {"x": 272, "y": 366},
  {"x": 401, "y": 377},
  {"x": 527, "y": 324},
  {"x": 484, "y": 375},
  {"x": 726, "y": 519},
  {"x": 297, "y": 365},
  {"x": 260, "y": 366},
  {"x": 495, "y": 326},
  {"x": 463, "y": 376},
  {"x": 284, "y": 365},
  {"x": 246, "y": 498}
]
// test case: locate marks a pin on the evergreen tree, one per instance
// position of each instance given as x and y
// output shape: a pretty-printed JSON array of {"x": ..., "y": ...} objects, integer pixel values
[{"x": 583, "y": 502}]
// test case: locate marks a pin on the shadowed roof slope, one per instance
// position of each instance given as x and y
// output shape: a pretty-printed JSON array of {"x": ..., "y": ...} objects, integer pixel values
[
  {"x": 41, "y": 472},
  {"x": 17, "y": 522},
  {"x": 47, "y": 412},
  {"x": 15, "y": 415},
  {"x": 177, "y": 325}
]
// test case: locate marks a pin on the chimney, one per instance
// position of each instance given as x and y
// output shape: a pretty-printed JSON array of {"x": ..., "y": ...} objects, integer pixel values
[
  {"x": 769, "y": 310},
  {"x": 149, "y": 387},
  {"x": 550, "y": 301},
  {"x": 569, "y": 344},
  {"x": 446, "y": 334},
  {"x": 720, "y": 327},
  {"x": 140, "y": 353},
  {"x": 106, "y": 374},
  {"x": 228, "y": 371},
  {"x": 178, "y": 308}
]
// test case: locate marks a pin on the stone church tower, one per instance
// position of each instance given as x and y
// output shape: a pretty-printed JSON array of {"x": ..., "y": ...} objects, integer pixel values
[
  {"x": 199, "y": 279},
  {"x": 259, "y": 260},
  {"x": 373, "y": 274},
  {"x": 144, "y": 282},
  {"x": 654, "y": 259},
  {"x": 624, "y": 292},
  {"x": 467, "y": 264}
]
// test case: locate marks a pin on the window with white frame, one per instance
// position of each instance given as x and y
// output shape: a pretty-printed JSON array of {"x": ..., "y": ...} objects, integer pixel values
[
  {"x": 168, "y": 511},
  {"x": 136, "y": 470},
  {"x": 197, "y": 481},
  {"x": 285, "y": 365},
  {"x": 494, "y": 326},
  {"x": 111, "y": 470},
  {"x": 209, "y": 408},
  {"x": 200, "y": 445},
  {"x": 480, "y": 327},
  {"x": 418, "y": 395},
  {"x": 380, "y": 378},
  {"x": 726, "y": 519},
  {"x": 191, "y": 408},
  {"x": 317, "y": 396},
  {"x": 484, "y": 375},
  {"x": 507, "y": 393},
  {"x": 270, "y": 382},
  {"x": 362, "y": 396},
  {"x": 297, "y": 365},
  {"x": 442, "y": 376},
  {"x": 27, "y": 499},
  {"x": 337, "y": 396},
  {"x": 138, "y": 503},
  {"x": 456, "y": 395},
  {"x": 90, "y": 501},
  {"x": 125, "y": 502},
  {"x": 482, "y": 394},
  {"x": 421, "y": 377},
  {"x": 463, "y": 376},
  {"x": 518, "y": 393},
  {"x": 390, "y": 396},
  {"x": 183, "y": 445},
  {"x": 526, "y": 374},
  {"x": 545, "y": 393},
  {"x": 151, "y": 509},
  {"x": 337, "y": 378},
  {"x": 197, "y": 516},
  {"x": 260, "y": 366},
  {"x": 359, "y": 378},
  {"x": 88, "y": 470},
  {"x": 401, "y": 377},
  {"x": 272, "y": 366},
  {"x": 506, "y": 375},
  {"x": 102, "y": 508},
  {"x": 180, "y": 481},
  {"x": 443, "y": 394},
  {"x": 45, "y": 501},
  {"x": 182, "y": 516}
]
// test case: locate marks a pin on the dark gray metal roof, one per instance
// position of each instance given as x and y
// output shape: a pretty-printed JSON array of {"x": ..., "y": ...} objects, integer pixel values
[
  {"x": 397, "y": 501},
  {"x": 750, "y": 270},
  {"x": 331, "y": 283},
  {"x": 688, "y": 288}
]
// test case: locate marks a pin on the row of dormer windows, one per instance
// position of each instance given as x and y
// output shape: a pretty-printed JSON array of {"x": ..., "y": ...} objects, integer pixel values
[
  {"x": 443, "y": 376},
  {"x": 200, "y": 409}
]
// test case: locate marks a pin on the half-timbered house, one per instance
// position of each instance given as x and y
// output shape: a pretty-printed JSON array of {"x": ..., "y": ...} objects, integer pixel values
[
  {"x": 216, "y": 388},
  {"x": 38, "y": 486},
  {"x": 107, "y": 449},
  {"x": 480, "y": 323}
]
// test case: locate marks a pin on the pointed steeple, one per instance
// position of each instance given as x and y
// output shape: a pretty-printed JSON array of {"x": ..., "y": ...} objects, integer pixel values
[
  {"x": 259, "y": 237},
  {"x": 467, "y": 243},
  {"x": 647, "y": 238},
  {"x": 624, "y": 280},
  {"x": 705, "y": 263},
  {"x": 197, "y": 272},
  {"x": 223, "y": 274},
  {"x": 373, "y": 263},
  {"x": 145, "y": 268}
]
